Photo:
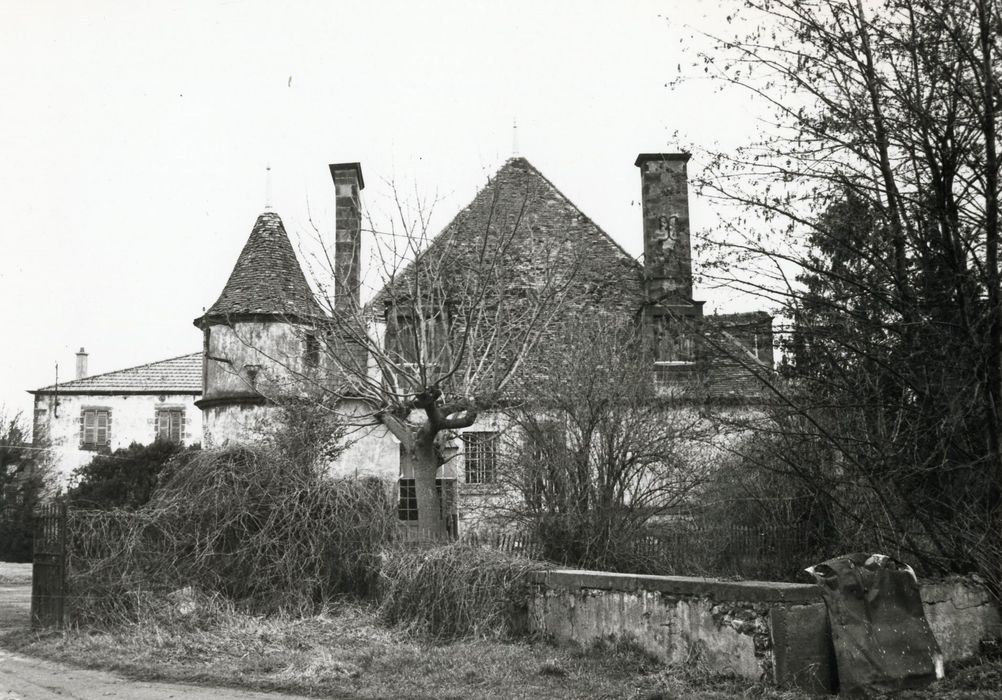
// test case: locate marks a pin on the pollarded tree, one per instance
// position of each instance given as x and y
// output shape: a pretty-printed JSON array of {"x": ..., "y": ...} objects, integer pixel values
[{"x": 459, "y": 317}]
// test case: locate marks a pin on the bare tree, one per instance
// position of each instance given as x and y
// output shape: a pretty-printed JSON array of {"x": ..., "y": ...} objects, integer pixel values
[
  {"x": 456, "y": 319},
  {"x": 869, "y": 213},
  {"x": 598, "y": 454}
]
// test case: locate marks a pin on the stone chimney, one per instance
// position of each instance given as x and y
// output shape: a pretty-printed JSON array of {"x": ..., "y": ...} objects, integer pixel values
[
  {"x": 348, "y": 183},
  {"x": 665, "y": 194},
  {"x": 81, "y": 364}
]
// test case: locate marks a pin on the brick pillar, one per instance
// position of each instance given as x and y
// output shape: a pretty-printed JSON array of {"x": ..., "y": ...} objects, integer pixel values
[
  {"x": 665, "y": 196},
  {"x": 348, "y": 183}
]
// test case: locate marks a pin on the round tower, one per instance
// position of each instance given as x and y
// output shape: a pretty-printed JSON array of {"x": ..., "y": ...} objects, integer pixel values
[{"x": 258, "y": 344}]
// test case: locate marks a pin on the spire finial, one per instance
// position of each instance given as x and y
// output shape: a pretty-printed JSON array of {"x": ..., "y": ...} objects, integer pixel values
[
  {"x": 514, "y": 137},
  {"x": 267, "y": 187}
]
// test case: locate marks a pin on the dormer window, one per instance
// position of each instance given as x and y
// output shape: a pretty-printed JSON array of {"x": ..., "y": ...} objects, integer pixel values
[{"x": 674, "y": 341}]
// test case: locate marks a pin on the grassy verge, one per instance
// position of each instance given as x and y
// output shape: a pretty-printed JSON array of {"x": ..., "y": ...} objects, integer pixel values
[{"x": 347, "y": 653}]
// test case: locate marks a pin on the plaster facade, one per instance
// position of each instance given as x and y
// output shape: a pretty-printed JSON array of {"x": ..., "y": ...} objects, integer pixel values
[{"x": 132, "y": 419}]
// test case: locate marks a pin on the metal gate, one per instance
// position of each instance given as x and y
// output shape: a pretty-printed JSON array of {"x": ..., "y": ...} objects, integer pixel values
[{"x": 48, "y": 573}]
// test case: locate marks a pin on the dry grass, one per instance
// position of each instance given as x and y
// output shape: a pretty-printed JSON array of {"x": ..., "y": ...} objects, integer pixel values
[
  {"x": 346, "y": 653},
  {"x": 455, "y": 591}
]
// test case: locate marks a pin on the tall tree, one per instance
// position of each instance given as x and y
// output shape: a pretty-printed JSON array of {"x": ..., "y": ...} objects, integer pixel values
[{"x": 869, "y": 213}]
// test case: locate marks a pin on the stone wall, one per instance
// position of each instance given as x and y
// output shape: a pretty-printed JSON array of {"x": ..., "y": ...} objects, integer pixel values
[
  {"x": 961, "y": 616},
  {"x": 759, "y": 630}
]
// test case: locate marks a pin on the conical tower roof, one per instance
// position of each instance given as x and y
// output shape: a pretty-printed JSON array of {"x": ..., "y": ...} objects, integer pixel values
[{"x": 267, "y": 279}]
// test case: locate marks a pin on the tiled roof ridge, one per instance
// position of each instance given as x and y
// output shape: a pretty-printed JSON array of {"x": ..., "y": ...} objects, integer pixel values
[{"x": 69, "y": 384}]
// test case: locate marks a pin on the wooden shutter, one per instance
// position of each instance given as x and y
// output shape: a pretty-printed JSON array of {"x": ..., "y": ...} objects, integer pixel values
[
  {"x": 175, "y": 426},
  {"x": 89, "y": 427},
  {"x": 102, "y": 428}
]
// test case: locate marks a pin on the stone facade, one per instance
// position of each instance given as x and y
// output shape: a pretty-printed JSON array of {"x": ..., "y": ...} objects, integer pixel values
[{"x": 260, "y": 337}]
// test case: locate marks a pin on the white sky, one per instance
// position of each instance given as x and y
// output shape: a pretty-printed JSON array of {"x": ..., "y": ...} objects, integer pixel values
[{"x": 134, "y": 138}]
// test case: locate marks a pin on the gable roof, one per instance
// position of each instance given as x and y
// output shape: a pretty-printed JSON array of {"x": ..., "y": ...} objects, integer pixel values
[
  {"x": 266, "y": 278},
  {"x": 177, "y": 375},
  {"x": 547, "y": 219}
]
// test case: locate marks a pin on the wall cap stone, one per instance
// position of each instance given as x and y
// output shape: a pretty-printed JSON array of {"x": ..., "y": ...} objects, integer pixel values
[{"x": 745, "y": 591}]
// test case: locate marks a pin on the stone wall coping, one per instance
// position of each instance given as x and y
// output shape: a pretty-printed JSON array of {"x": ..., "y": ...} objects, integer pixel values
[{"x": 743, "y": 591}]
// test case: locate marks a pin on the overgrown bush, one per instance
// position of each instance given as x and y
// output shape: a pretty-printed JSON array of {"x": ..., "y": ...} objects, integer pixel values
[
  {"x": 17, "y": 518},
  {"x": 266, "y": 531},
  {"x": 125, "y": 478},
  {"x": 455, "y": 591}
]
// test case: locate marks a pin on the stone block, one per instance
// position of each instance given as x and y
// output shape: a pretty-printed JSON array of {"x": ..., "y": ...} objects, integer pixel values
[{"x": 803, "y": 655}]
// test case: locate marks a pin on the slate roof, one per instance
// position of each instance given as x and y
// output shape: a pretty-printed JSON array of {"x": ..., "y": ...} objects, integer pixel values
[
  {"x": 177, "y": 375},
  {"x": 744, "y": 357},
  {"x": 267, "y": 278},
  {"x": 548, "y": 223}
]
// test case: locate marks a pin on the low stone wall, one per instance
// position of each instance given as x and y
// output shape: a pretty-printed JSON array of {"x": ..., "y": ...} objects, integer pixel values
[
  {"x": 753, "y": 629},
  {"x": 961, "y": 616}
]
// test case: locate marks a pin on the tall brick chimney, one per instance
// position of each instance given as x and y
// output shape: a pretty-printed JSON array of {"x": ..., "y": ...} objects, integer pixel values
[
  {"x": 81, "y": 364},
  {"x": 348, "y": 183},
  {"x": 665, "y": 194}
]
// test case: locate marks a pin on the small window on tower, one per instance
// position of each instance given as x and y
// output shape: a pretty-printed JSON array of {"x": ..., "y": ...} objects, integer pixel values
[{"x": 312, "y": 351}]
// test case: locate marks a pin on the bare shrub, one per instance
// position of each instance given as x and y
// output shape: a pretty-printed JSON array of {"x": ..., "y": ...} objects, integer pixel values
[
  {"x": 599, "y": 455},
  {"x": 455, "y": 591},
  {"x": 269, "y": 532}
]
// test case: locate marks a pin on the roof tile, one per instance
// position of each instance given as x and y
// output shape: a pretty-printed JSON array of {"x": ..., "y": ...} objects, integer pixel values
[
  {"x": 177, "y": 375},
  {"x": 267, "y": 277}
]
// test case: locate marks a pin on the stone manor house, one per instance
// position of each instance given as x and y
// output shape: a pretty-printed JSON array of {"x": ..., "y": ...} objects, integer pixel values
[{"x": 256, "y": 337}]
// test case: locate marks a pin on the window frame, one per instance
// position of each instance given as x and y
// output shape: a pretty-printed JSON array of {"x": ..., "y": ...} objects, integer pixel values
[
  {"x": 95, "y": 444},
  {"x": 407, "y": 508},
  {"x": 480, "y": 456},
  {"x": 181, "y": 423},
  {"x": 668, "y": 325}
]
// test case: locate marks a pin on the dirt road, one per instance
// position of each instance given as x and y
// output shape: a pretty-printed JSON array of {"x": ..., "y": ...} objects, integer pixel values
[{"x": 26, "y": 678}]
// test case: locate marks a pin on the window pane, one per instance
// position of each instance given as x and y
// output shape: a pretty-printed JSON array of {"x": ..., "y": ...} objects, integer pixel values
[{"x": 407, "y": 506}]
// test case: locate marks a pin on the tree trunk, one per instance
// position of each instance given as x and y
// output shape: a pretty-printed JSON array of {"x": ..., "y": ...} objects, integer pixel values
[{"x": 431, "y": 524}]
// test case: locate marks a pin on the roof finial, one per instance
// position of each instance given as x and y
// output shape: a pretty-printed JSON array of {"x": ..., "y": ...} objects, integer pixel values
[
  {"x": 267, "y": 187},
  {"x": 514, "y": 137}
]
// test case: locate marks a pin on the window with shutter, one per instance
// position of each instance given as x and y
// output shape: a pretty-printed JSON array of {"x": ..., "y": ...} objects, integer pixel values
[
  {"x": 170, "y": 424},
  {"x": 95, "y": 428}
]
